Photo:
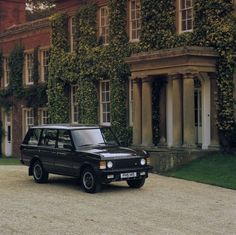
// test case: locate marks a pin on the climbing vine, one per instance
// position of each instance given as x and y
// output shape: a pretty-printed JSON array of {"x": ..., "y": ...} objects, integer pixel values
[
  {"x": 59, "y": 65},
  {"x": 214, "y": 26},
  {"x": 33, "y": 96}
]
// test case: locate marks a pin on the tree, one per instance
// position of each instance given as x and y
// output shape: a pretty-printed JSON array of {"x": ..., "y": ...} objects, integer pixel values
[{"x": 36, "y": 9}]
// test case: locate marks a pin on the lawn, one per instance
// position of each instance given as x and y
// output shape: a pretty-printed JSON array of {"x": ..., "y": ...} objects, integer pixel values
[
  {"x": 9, "y": 161},
  {"x": 217, "y": 170}
]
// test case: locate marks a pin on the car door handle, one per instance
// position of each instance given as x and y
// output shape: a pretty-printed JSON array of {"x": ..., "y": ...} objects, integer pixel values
[{"x": 62, "y": 154}]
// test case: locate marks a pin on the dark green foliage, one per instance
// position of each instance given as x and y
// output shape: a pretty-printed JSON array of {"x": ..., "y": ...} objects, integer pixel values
[
  {"x": 214, "y": 26},
  {"x": 1, "y": 65},
  {"x": 35, "y": 96},
  {"x": 156, "y": 92},
  {"x": 16, "y": 62},
  {"x": 59, "y": 68},
  {"x": 158, "y": 24}
]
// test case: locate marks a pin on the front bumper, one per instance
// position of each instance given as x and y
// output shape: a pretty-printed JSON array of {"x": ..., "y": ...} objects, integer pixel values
[{"x": 107, "y": 176}]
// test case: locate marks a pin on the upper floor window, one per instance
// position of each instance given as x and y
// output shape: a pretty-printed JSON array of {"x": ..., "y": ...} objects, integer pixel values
[
  {"x": 72, "y": 30},
  {"x": 104, "y": 24},
  {"x": 6, "y": 72},
  {"x": 186, "y": 15},
  {"x": 29, "y": 68},
  {"x": 74, "y": 105},
  {"x": 44, "y": 64},
  {"x": 105, "y": 103},
  {"x": 135, "y": 20}
]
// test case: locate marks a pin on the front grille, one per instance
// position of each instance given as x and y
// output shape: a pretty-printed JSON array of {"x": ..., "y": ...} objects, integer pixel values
[{"x": 126, "y": 163}]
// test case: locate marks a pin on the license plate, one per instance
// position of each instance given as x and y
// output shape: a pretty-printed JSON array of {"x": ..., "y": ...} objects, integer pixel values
[{"x": 128, "y": 175}]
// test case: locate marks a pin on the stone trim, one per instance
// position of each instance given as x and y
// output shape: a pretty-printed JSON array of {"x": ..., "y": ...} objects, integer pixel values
[{"x": 27, "y": 27}]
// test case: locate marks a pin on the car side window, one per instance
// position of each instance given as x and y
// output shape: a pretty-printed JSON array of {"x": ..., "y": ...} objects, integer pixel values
[
  {"x": 33, "y": 137},
  {"x": 63, "y": 139},
  {"x": 49, "y": 138}
]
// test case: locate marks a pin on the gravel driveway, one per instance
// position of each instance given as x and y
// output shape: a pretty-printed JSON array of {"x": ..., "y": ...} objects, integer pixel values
[{"x": 163, "y": 206}]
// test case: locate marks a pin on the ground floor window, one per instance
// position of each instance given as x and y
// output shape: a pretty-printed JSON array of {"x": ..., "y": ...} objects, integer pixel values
[
  {"x": 28, "y": 119},
  {"x": 105, "y": 103},
  {"x": 44, "y": 116}
]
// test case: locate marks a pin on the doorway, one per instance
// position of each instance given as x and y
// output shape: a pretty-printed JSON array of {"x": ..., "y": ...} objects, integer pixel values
[
  {"x": 8, "y": 134},
  {"x": 198, "y": 111}
]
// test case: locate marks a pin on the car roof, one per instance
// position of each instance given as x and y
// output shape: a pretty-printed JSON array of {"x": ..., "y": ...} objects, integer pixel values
[{"x": 66, "y": 126}]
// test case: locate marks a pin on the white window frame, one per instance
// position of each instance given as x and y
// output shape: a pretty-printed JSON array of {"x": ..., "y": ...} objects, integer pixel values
[
  {"x": 185, "y": 18},
  {"x": 29, "y": 63},
  {"x": 72, "y": 31},
  {"x": 104, "y": 24},
  {"x": 44, "y": 60},
  {"x": 104, "y": 102},
  {"x": 6, "y": 72},
  {"x": 134, "y": 19},
  {"x": 43, "y": 116},
  {"x": 28, "y": 119},
  {"x": 131, "y": 102},
  {"x": 74, "y": 105}
]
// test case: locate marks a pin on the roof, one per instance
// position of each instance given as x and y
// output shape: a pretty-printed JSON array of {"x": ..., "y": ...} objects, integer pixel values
[{"x": 66, "y": 126}]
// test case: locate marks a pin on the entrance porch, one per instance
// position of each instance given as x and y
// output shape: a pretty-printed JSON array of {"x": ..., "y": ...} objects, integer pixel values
[{"x": 186, "y": 102}]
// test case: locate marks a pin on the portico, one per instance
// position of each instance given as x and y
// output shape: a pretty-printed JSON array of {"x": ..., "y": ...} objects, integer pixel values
[{"x": 186, "y": 104}]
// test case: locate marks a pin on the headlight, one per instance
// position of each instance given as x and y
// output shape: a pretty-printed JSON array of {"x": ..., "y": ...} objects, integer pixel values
[
  {"x": 142, "y": 162},
  {"x": 109, "y": 164}
]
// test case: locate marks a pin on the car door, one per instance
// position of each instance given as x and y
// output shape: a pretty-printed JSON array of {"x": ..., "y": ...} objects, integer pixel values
[
  {"x": 65, "y": 153},
  {"x": 47, "y": 149},
  {"x": 29, "y": 147}
]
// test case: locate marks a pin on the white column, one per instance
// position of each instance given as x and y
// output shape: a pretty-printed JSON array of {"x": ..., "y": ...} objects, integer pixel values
[
  {"x": 206, "y": 112},
  {"x": 147, "y": 139},
  {"x": 169, "y": 112}
]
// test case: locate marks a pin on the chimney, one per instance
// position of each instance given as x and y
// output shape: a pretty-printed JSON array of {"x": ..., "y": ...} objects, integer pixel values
[{"x": 12, "y": 12}]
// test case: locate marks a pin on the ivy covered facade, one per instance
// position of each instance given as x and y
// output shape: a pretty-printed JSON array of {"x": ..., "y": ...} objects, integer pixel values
[{"x": 160, "y": 73}]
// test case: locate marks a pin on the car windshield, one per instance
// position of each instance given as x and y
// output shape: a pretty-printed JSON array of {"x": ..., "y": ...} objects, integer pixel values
[{"x": 93, "y": 137}]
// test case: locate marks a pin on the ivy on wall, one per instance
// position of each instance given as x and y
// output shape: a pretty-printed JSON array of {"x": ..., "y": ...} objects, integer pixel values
[
  {"x": 58, "y": 100},
  {"x": 87, "y": 59},
  {"x": 214, "y": 26},
  {"x": 33, "y": 96}
]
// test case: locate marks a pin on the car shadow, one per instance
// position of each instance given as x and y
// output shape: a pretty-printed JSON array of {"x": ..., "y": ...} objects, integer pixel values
[{"x": 74, "y": 183}]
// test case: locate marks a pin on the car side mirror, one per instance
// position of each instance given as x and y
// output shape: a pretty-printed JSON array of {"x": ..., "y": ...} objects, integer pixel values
[
  {"x": 68, "y": 146},
  {"x": 122, "y": 143}
]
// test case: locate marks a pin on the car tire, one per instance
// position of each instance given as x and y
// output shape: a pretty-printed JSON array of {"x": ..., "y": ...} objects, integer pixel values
[
  {"x": 89, "y": 181},
  {"x": 39, "y": 174},
  {"x": 136, "y": 183}
]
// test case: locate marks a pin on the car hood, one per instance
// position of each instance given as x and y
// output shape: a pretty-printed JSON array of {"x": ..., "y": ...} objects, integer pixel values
[{"x": 108, "y": 153}]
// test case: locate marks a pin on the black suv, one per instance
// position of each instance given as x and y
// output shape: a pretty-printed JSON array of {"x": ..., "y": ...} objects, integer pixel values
[{"x": 91, "y": 153}]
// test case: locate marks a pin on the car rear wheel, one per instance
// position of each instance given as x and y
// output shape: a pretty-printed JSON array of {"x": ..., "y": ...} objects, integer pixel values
[
  {"x": 90, "y": 181},
  {"x": 40, "y": 175},
  {"x": 136, "y": 183}
]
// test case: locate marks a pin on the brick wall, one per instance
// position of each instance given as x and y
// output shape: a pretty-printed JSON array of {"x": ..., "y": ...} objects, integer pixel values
[{"x": 11, "y": 13}]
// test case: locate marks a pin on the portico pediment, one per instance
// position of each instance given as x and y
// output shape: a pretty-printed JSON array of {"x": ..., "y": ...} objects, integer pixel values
[{"x": 173, "y": 61}]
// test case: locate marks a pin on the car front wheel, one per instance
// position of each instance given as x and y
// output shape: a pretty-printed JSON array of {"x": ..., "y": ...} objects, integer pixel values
[
  {"x": 136, "y": 183},
  {"x": 40, "y": 175},
  {"x": 90, "y": 181}
]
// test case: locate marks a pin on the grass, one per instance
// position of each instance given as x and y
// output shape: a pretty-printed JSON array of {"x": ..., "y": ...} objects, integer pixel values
[
  {"x": 9, "y": 161},
  {"x": 219, "y": 170}
]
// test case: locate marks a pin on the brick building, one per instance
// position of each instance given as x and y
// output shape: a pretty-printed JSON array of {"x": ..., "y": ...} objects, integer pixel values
[{"x": 189, "y": 75}]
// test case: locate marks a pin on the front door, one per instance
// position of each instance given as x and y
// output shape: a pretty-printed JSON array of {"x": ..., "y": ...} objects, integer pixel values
[
  {"x": 8, "y": 134},
  {"x": 198, "y": 111}
]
